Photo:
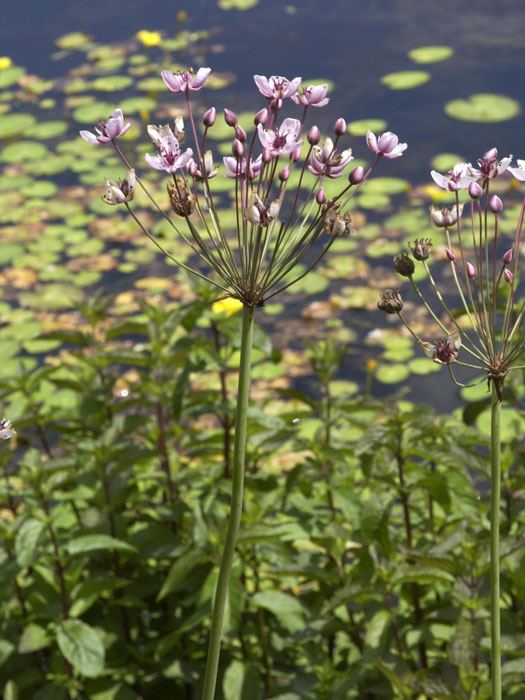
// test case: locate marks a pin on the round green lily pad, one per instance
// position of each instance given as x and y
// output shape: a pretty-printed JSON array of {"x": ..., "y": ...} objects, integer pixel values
[
  {"x": 405, "y": 80},
  {"x": 12, "y": 124},
  {"x": 423, "y": 365},
  {"x": 93, "y": 112},
  {"x": 430, "y": 54},
  {"x": 112, "y": 83},
  {"x": 10, "y": 76},
  {"x": 483, "y": 107},
  {"x": 137, "y": 104},
  {"x": 392, "y": 374},
  {"x": 23, "y": 150},
  {"x": 360, "y": 127},
  {"x": 445, "y": 161},
  {"x": 237, "y": 4},
  {"x": 47, "y": 130},
  {"x": 386, "y": 185},
  {"x": 74, "y": 40}
]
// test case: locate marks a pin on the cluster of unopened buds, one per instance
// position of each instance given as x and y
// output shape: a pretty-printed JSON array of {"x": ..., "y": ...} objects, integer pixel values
[
  {"x": 484, "y": 266},
  {"x": 272, "y": 234}
]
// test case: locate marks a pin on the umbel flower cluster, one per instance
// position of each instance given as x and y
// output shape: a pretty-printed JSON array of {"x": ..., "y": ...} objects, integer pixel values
[
  {"x": 280, "y": 171},
  {"x": 486, "y": 334}
]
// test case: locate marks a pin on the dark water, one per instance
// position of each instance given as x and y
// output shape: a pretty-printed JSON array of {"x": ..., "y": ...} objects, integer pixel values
[{"x": 351, "y": 42}]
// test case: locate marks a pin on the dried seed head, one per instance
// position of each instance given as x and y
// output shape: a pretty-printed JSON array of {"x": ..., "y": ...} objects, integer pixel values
[
  {"x": 421, "y": 248},
  {"x": 390, "y": 301},
  {"x": 182, "y": 200},
  {"x": 404, "y": 265}
]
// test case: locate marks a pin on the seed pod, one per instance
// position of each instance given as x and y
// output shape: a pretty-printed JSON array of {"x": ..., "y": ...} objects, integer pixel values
[
  {"x": 404, "y": 265},
  {"x": 182, "y": 200},
  {"x": 390, "y": 301},
  {"x": 421, "y": 248}
]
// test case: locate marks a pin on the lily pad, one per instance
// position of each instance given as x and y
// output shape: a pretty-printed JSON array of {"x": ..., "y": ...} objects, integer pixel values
[
  {"x": 47, "y": 130},
  {"x": 237, "y": 4},
  {"x": 405, "y": 80},
  {"x": 392, "y": 374},
  {"x": 133, "y": 105},
  {"x": 13, "y": 124},
  {"x": 360, "y": 127},
  {"x": 112, "y": 83},
  {"x": 430, "y": 54},
  {"x": 10, "y": 76},
  {"x": 74, "y": 40},
  {"x": 483, "y": 107},
  {"x": 445, "y": 161},
  {"x": 23, "y": 150},
  {"x": 93, "y": 112}
]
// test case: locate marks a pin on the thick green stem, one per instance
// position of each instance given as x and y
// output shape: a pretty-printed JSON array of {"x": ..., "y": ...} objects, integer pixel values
[
  {"x": 239, "y": 450},
  {"x": 495, "y": 649}
]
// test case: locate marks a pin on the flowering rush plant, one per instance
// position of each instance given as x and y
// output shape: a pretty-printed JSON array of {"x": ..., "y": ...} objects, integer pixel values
[
  {"x": 283, "y": 218},
  {"x": 487, "y": 334},
  {"x": 280, "y": 217}
]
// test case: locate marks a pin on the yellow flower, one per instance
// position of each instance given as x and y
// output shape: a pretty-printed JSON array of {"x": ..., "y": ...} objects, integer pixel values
[
  {"x": 436, "y": 194},
  {"x": 224, "y": 308},
  {"x": 371, "y": 365},
  {"x": 182, "y": 16},
  {"x": 148, "y": 38},
  {"x": 5, "y": 62}
]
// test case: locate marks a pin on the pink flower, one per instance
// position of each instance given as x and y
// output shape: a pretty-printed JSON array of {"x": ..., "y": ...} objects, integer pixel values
[
  {"x": 240, "y": 168},
  {"x": 386, "y": 145},
  {"x": 108, "y": 129},
  {"x": 169, "y": 157},
  {"x": 276, "y": 87},
  {"x": 312, "y": 96},
  {"x": 327, "y": 161},
  {"x": 519, "y": 172},
  {"x": 284, "y": 140},
  {"x": 459, "y": 178},
  {"x": 489, "y": 166},
  {"x": 185, "y": 81}
]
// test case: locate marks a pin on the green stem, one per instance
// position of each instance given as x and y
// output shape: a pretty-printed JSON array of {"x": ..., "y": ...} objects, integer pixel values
[
  {"x": 494, "y": 546},
  {"x": 239, "y": 450}
]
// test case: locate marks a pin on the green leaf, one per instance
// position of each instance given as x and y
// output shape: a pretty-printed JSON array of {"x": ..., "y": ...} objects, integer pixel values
[
  {"x": 483, "y": 107},
  {"x": 241, "y": 682},
  {"x": 286, "y": 608},
  {"x": 6, "y": 649},
  {"x": 34, "y": 637},
  {"x": 376, "y": 628},
  {"x": 82, "y": 646},
  {"x": 179, "y": 571},
  {"x": 405, "y": 80},
  {"x": 430, "y": 54},
  {"x": 27, "y": 540},
  {"x": 91, "y": 543}
]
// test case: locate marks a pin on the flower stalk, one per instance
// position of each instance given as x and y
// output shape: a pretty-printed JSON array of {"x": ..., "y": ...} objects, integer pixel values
[
  {"x": 239, "y": 453},
  {"x": 495, "y": 473}
]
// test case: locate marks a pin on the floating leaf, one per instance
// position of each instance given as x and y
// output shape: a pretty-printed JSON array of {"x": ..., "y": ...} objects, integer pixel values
[
  {"x": 12, "y": 124},
  {"x": 74, "y": 40},
  {"x": 47, "y": 130},
  {"x": 360, "y": 127},
  {"x": 23, "y": 150},
  {"x": 483, "y": 107},
  {"x": 112, "y": 83},
  {"x": 392, "y": 374},
  {"x": 405, "y": 80},
  {"x": 237, "y": 4},
  {"x": 10, "y": 76},
  {"x": 93, "y": 112},
  {"x": 430, "y": 54},
  {"x": 445, "y": 161}
]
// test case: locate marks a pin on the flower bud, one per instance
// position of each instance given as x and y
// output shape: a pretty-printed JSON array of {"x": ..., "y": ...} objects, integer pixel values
[
  {"x": 471, "y": 270},
  {"x": 450, "y": 255},
  {"x": 209, "y": 116},
  {"x": 261, "y": 117},
  {"x": 491, "y": 154},
  {"x": 230, "y": 117},
  {"x": 507, "y": 257},
  {"x": 240, "y": 133},
  {"x": 507, "y": 274},
  {"x": 475, "y": 190},
  {"x": 193, "y": 168},
  {"x": 313, "y": 135},
  {"x": 357, "y": 175},
  {"x": 404, "y": 265},
  {"x": 390, "y": 302},
  {"x": 266, "y": 155},
  {"x": 495, "y": 204},
  {"x": 182, "y": 200},
  {"x": 237, "y": 148},
  {"x": 284, "y": 174},
  {"x": 339, "y": 126},
  {"x": 320, "y": 197}
]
